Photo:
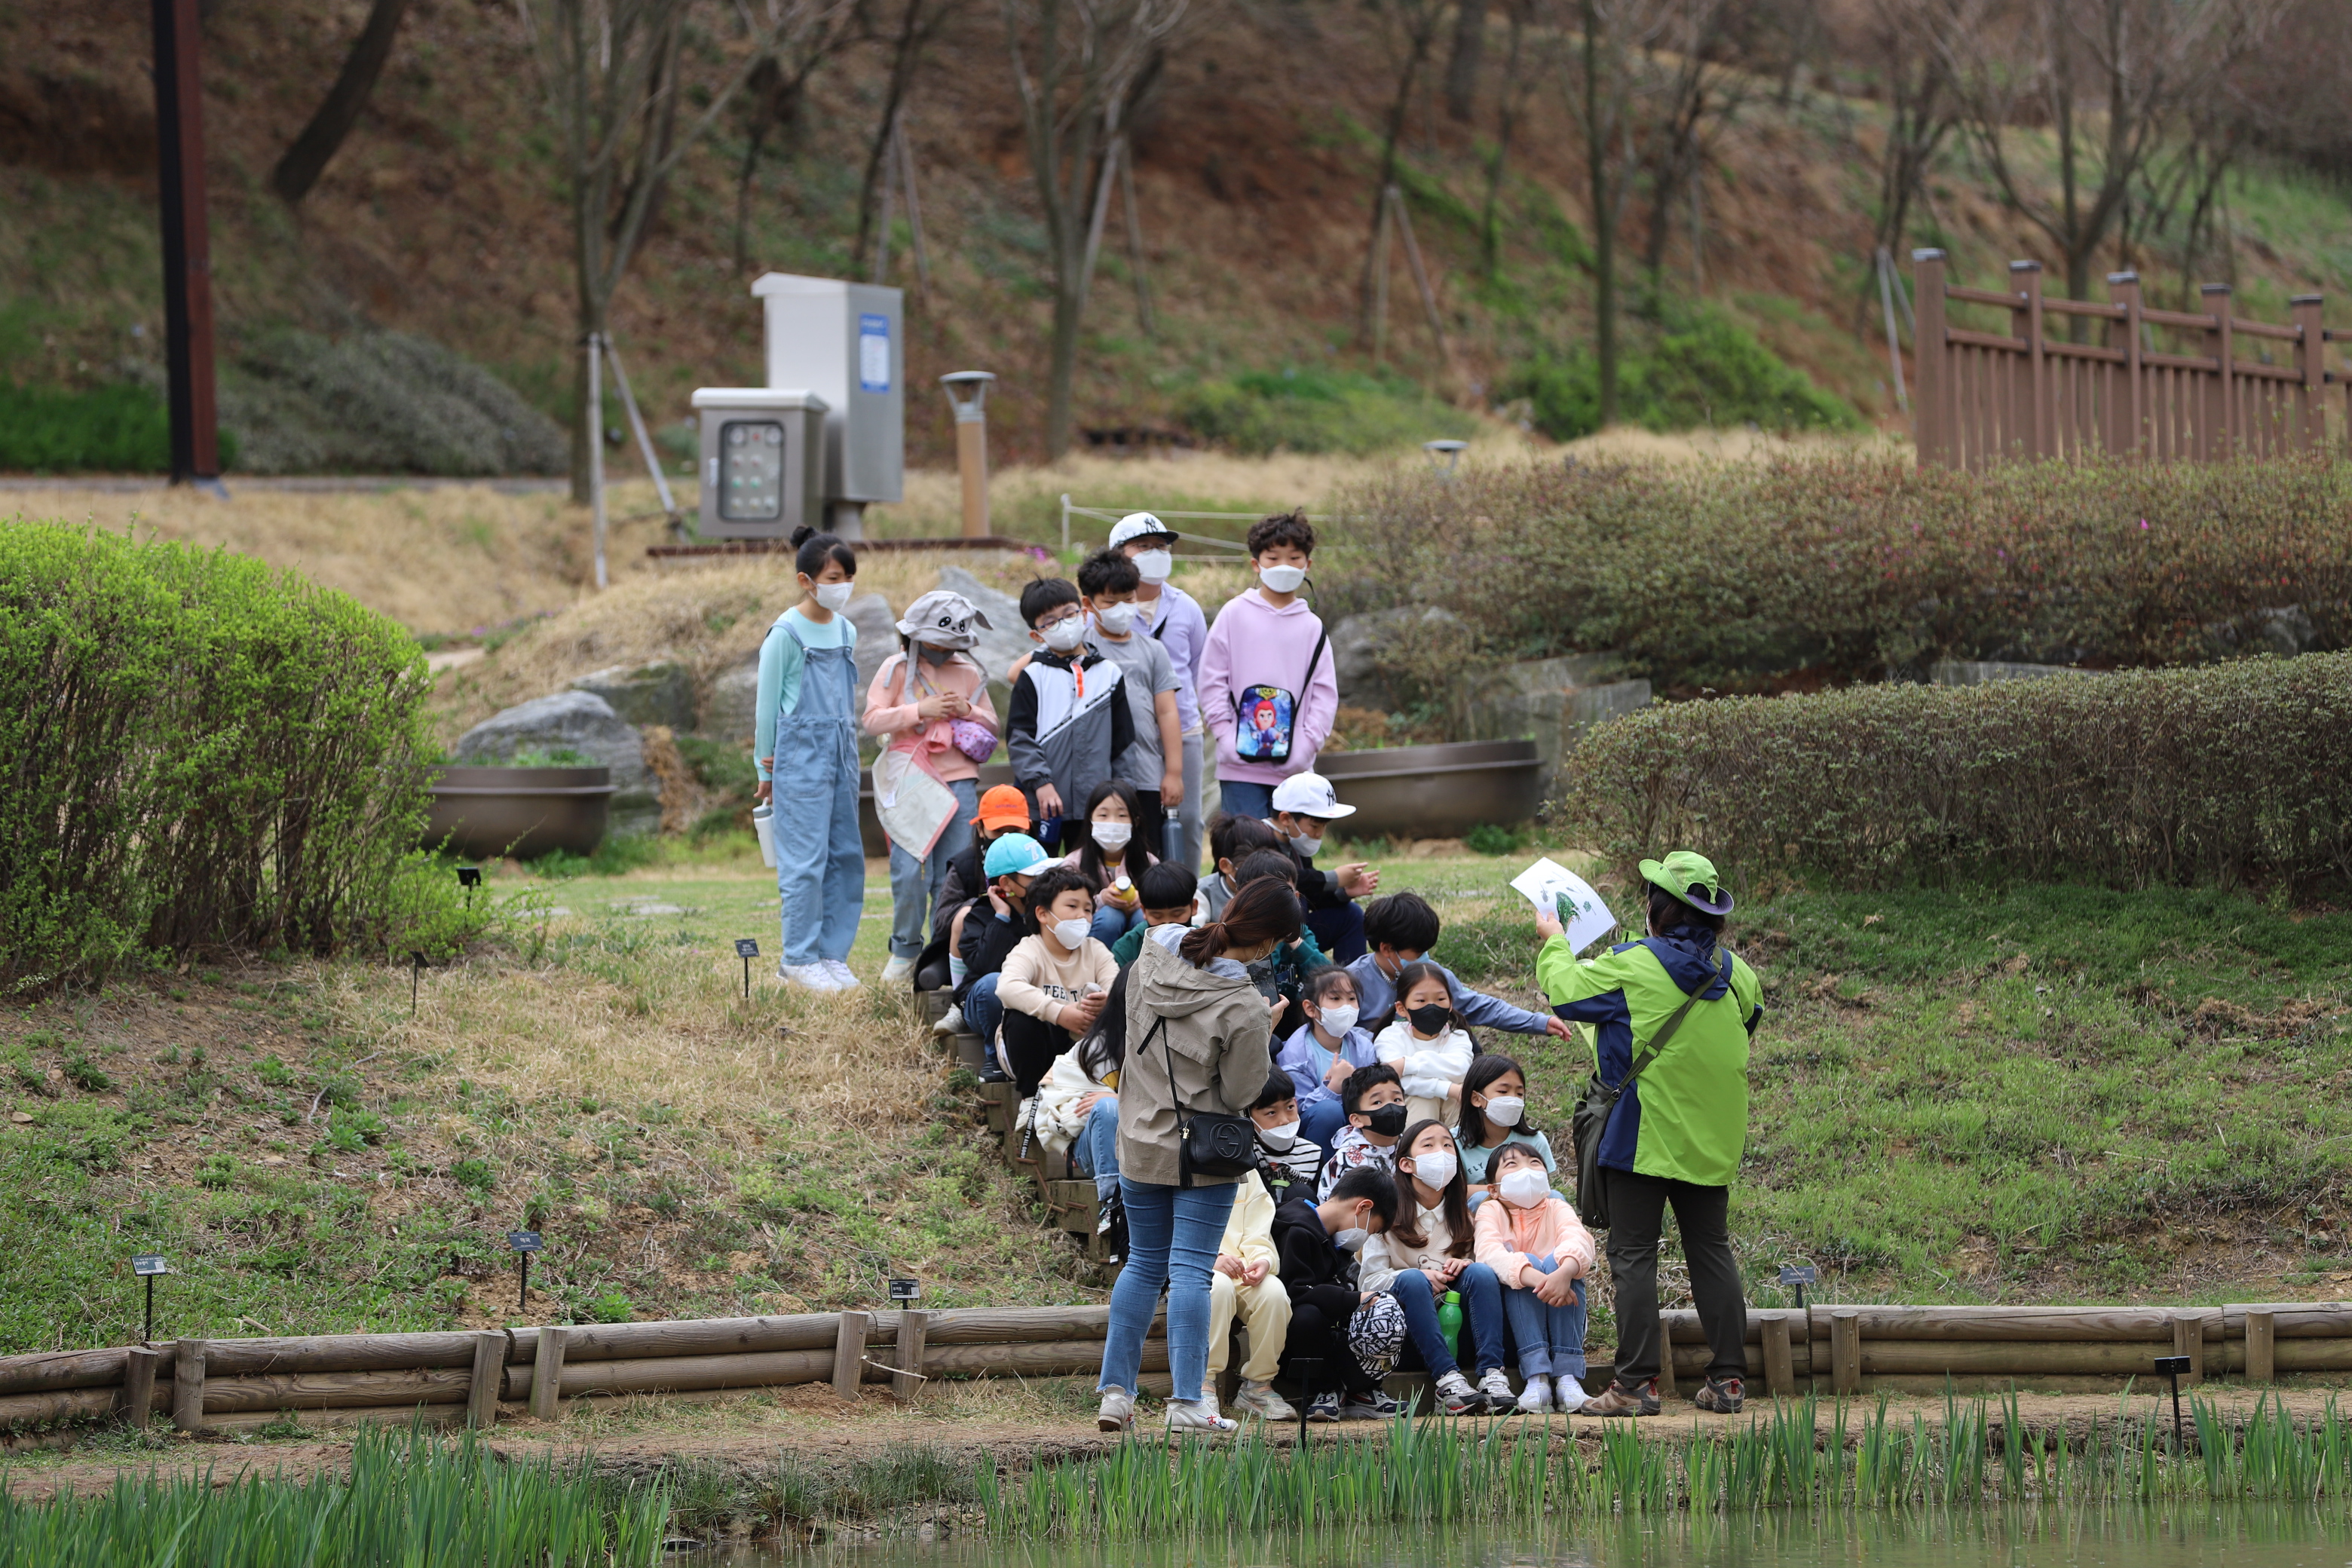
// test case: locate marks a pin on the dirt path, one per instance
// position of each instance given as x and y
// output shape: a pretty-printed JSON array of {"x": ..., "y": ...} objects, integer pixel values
[{"x": 756, "y": 1432}]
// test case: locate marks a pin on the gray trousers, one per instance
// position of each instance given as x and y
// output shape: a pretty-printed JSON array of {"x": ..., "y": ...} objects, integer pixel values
[
  {"x": 1637, "y": 1217},
  {"x": 1189, "y": 816}
]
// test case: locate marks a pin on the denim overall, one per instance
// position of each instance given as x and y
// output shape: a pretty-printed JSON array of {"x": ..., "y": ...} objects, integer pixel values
[{"x": 820, "y": 857}]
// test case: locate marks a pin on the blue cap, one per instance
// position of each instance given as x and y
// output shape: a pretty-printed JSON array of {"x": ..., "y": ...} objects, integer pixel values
[{"x": 1016, "y": 855}]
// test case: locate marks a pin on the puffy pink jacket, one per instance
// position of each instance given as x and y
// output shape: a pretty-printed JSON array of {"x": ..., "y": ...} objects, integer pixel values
[{"x": 1508, "y": 1238}]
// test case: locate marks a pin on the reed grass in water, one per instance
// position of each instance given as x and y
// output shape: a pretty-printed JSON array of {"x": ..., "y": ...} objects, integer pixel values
[
  {"x": 408, "y": 1501},
  {"x": 1435, "y": 1469}
]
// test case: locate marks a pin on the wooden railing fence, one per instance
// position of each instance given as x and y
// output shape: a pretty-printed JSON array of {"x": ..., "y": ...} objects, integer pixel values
[{"x": 2259, "y": 388}]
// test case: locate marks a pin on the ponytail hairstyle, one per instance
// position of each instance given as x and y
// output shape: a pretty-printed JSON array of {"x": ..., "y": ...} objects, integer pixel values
[
  {"x": 1453, "y": 1198},
  {"x": 813, "y": 549},
  {"x": 1484, "y": 1069},
  {"x": 1266, "y": 910}
]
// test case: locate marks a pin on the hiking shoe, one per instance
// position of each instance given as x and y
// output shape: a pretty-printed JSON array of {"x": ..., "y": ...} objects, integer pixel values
[
  {"x": 1619, "y": 1400},
  {"x": 1199, "y": 1416},
  {"x": 1456, "y": 1397},
  {"x": 1494, "y": 1388},
  {"x": 1260, "y": 1400},
  {"x": 1117, "y": 1411},
  {"x": 1372, "y": 1405},
  {"x": 950, "y": 1023},
  {"x": 1535, "y": 1398},
  {"x": 1568, "y": 1396},
  {"x": 808, "y": 976},
  {"x": 843, "y": 978},
  {"x": 1723, "y": 1396},
  {"x": 1323, "y": 1407},
  {"x": 897, "y": 969}
]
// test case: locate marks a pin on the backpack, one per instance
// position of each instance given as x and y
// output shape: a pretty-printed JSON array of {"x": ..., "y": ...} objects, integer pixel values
[{"x": 1265, "y": 715}]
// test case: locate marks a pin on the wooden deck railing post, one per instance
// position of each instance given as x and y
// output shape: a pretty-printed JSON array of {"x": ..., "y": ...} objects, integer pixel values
[
  {"x": 908, "y": 1382},
  {"x": 2188, "y": 1339},
  {"x": 2123, "y": 288},
  {"x": 1845, "y": 1350},
  {"x": 489, "y": 1372},
  {"x": 138, "y": 1385},
  {"x": 2030, "y": 404},
  {"x": 547, "y": 1373},
  {"x": 2311, "y": 358},
  {"x": 2261, "y": 1346},
  {"x": 1779, "y": 1374},
  {"x": 188, "y": 1386},
  {"x": 2220, "y": 400},
  {"x": 1931, "y": 405},
  {"x": 849, "y": 1352}
]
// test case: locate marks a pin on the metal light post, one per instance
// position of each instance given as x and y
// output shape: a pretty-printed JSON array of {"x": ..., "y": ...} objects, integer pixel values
[
  {"x": 1448, "y": 453},
  {"x": 971, "y": 443}
]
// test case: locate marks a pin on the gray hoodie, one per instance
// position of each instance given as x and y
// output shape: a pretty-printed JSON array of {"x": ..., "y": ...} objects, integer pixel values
[{"x": 1216, "y": 1034}]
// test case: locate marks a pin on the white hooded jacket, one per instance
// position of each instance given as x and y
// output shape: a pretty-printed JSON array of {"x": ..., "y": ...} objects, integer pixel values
[{"x": 1428, "y": 1069}]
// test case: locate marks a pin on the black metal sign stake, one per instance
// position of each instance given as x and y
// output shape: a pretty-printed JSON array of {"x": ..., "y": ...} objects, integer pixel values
[
  {"x": 1798, "y": 1275},
  {"x": 525, "y": 1242},
  {"x": 469, "y": 878},
  {"x": 415, "y": 974},
  {"x": 1306, "y": 1367},
  {"x": 2172, "y": 1366},
  {"x": 747, "y": 950},
  {"x": 147, "y": 1266}
]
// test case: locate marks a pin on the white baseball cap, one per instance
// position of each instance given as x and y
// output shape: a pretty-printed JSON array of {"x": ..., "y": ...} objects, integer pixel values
[
  {"x": 1310, "y": 794},
  {"x": 1140, "y": 525}
]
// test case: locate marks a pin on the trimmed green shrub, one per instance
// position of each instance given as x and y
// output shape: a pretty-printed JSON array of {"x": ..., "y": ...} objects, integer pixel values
[
  {"x": 1737, "y": 575},
  {"x": 2229, "y": 773},
  {"x": 1297, "y": 410},
  {"x": 116, "y": 429},
  {"x": 199, "y": 752},
  {"x": 1704, "y": 370}
]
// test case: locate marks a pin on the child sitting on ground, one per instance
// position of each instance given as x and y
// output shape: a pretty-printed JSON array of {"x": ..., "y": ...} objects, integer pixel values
[
  {"x": 1013, "y": 862},
  {"x": 1068, "y": 722},
  {"x": 1002, "y": 810},
  {"x": 1165, "y": 889},
  {"x": 1113, "y": 860},
  {"x": 1324, "y": 1051},
  {"x": 1352, "y": 1339},
  {"x": 1540, "y": 1252},
  {"x": 1232, "y": 840},
  {"x": 1427, "y": 1253},
  {"x": 1495, "y": 1113},
  {"x": 1054, "y": 980},
  {"x": 1287, "y": 1162},
  {"x": 1282, "y": 972},
  {"x": 1429, "y": 1053},
  {"x": 1077, "y": 1108},
  {"x": 1246, "y": 1280},
  {"x": 1401, "y": 929},
  {"x": 1374, "y": 1104}
]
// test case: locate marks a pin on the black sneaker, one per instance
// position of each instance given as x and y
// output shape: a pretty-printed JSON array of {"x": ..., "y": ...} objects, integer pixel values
[
  {"x": 1111, "y": 1224},
  {"x": 1323, "y": 1407},
  {"x": 1372, "y": 1405},
  {"x": 991, "y": 1073}
]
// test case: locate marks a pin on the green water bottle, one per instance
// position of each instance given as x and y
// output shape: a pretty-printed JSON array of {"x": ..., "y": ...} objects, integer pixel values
[{"x": 1449, "y": 1323}]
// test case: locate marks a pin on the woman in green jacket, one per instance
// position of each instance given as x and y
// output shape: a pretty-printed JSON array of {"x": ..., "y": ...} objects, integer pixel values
[{"x": 1677, "y": 1134}]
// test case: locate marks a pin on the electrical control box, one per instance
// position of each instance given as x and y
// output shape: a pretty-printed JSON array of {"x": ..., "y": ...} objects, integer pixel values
[
  {"x": 762, "y": 461},
  {"x": 845, "y": 344}
]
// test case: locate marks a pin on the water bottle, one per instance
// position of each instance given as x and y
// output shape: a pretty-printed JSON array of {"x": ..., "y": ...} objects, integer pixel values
[
  {"x": 1172, "y": 843},
  {"x": 1449, "y": 1323}
]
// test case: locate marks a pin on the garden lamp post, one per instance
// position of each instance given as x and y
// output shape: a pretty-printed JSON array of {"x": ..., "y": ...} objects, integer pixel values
[{"x": 968, "y": 395}]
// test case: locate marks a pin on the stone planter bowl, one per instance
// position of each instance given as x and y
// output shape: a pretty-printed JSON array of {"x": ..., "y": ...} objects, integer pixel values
[
  {"x": 485, "y": 812},
  {"x": 1435, "y": 792}
]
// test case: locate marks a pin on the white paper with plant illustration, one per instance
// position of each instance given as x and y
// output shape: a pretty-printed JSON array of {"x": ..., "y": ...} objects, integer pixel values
[{"x": 1550, "y": 886}]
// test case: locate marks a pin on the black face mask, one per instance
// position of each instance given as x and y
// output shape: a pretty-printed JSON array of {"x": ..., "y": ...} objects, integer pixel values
[
  {"x": 1388, "y": 1121},
  {"x": 1431, "y": 1020}
]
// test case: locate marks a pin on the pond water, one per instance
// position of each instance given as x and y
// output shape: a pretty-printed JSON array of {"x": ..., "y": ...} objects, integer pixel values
[{"x": 2240, "y": 1535}]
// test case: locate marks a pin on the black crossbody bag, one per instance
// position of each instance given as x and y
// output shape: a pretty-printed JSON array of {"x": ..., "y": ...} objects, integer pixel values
[
  {"x": 1591, "y": 1121},
  {"x": 1214, "y": 1143}
]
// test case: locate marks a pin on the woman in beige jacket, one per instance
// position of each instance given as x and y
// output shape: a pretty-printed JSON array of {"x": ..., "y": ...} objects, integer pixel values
[{"x": 1199, "y": 1038}]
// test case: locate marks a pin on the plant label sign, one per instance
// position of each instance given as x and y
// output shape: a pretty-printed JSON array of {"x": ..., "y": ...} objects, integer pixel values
[
  {"x": 1800, "y": 1274},
  {"x": 524, "y": 1240},
  {"x": 1555, "y": 889},
  {"x": 146, "y": 1264},
  {"x": 746, "y": 947},
  {"x": 906, "y": 1289}
]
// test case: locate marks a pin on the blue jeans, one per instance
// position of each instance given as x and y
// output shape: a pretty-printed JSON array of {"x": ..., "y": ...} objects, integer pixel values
[
  {"x": 1246, "y": 797},
  {"x": 1550, "y": 1339},
  {"x": 1321, "y": 1123},
  {"x": 983, "y": 1013},
  {"x": 1482, "y": 1313},
  {"x": 1171, "y": 1240},
  {"x": 1110, "y": 924},
  {"x": 914, "y": 884},
  {"x": 1098, "y": 1145}
]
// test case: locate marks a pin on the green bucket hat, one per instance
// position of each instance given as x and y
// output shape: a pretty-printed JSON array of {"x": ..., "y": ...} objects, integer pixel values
[{"x": 1690, "y": 876}]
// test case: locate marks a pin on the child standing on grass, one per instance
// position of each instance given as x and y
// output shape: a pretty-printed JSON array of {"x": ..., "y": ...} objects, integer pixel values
[
  {"x": 1495, "y": 1113},
  {"x": 1324, "y": 1051},
  {"x": 928, "y": 704},
  {"x": 1540, "y": 1252},
  {"x": 806, "y": 746},
  {"x": 1172, "y": 618},
  {"x": 1427, "y": 1253},
  {"x": 1069, "y": 724},
  {"x": 1428, "y": 1052},
  {"x": 1154, "y": 765},
  {"x": 1269, "y": 684}
]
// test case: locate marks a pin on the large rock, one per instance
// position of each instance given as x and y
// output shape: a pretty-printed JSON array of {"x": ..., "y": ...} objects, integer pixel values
[
  {"x": 649, "y": 694},
  {"x": 731, "y": 704},
  {"x": 877, "y": 637},
  {"x": 582, "y": 722},
  {"x": 1007, "y": 637},
  {"x": 1553, "y": 701},
  {"x": 1362, "y": 647}
]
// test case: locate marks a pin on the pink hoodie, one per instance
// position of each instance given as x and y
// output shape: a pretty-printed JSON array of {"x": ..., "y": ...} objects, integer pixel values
[
  {"x": 1254, "y": 644},
  {"x": 1508, "y": 1237}
]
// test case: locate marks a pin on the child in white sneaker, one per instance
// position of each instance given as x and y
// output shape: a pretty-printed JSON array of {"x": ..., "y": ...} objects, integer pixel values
[
  {"x": 1541, "y": 1253},
  {"x": 1247, "y": 1283}
]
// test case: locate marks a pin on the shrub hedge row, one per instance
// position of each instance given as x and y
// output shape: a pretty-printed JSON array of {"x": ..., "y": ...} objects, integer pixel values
[
  {"x": 1738, "y": 575},
  {"x": 196, "y": 752},
  {"x": 2227, "y": 773}
]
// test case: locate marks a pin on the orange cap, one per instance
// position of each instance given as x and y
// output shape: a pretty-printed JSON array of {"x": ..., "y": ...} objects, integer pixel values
[{"x": 1002, "y": 807}]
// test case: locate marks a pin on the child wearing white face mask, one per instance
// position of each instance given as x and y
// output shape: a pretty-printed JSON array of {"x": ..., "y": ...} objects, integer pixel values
[
  {"x": 1113, "y": 857},
  {"x": 1269, "y": 685},
  {"x": 1540, "y": 1252},
  {"x": 1154, "y": 765},
  {"x": 1493, "y": 1113},
  {"x": 1322, "y": 1053},
  {"x": 1069, "y": 724},
  {"x": 1053, "y": 984},
  {"x": 1288, "y": 1163},
  {"x": 1425, "y": 1255}
]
